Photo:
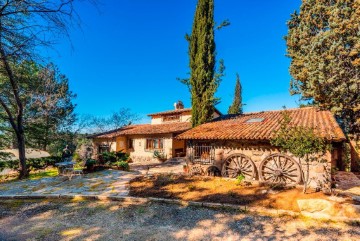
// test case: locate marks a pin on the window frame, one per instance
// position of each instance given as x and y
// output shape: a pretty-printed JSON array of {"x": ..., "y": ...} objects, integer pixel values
[
  {"x": 153, "y": 144},
  {"x": 103, "y": 148}
]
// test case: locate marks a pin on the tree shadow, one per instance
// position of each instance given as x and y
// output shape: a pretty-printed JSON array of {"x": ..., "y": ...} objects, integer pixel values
[{"x": 95, "y": 220}]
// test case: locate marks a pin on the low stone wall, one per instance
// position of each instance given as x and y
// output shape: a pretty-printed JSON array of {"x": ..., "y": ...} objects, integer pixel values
[{"x": 319, "y": 171}]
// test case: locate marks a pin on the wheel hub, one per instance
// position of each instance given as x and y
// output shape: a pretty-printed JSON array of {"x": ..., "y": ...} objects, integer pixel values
[{"x": 278, "y": 173}]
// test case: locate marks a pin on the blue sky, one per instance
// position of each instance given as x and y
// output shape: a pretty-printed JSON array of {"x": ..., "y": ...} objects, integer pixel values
[{"x": 128, "y": 53}]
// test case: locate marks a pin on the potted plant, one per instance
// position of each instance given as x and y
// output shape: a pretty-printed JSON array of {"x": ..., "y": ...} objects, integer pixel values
[
  {"x": 160, "y": 156},
  {"x": 186, "y": 168}
]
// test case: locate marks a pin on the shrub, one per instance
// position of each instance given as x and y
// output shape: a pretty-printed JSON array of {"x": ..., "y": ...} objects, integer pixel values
[
  {"x": 32, "y": 164},
  {"x": 109, "y": 158},
  {"x": 2, "y": 166},
  {"x": 123, "y": 165},
  {"x": 239, "y": 179},
  {"x": 90, "y": 163},
  {"x": 159, "y": 155}
]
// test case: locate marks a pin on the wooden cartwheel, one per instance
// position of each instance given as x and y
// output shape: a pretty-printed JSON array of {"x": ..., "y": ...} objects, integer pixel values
[
  {"x": 239, "y": 164},
  {"x": 280, "y": 169}
]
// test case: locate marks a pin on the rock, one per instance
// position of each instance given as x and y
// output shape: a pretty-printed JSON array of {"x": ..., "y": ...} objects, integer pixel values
[
  {"x": 320, "y": 208},
  {"x": 313, "y": 205}
]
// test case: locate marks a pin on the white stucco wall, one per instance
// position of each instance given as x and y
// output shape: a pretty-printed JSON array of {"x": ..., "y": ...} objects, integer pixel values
[
  {"x": 157, "y": 120},
  {"x": 139, "y": 152}
]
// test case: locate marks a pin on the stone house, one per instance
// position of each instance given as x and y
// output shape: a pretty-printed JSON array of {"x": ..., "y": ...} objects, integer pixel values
[
  {"x": 141, "y": 140},
  {"x": 240, "y": 144}
]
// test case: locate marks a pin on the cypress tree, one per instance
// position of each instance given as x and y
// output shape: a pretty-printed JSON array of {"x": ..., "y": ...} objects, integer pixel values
[
  {"x": 236, "y": 107},
  {"x": 203, "y": 82},
  {"x": 323, "y": 43}
]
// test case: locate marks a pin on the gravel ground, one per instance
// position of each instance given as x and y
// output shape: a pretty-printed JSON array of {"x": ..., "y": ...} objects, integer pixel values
[{"x": 91, "y": 220}]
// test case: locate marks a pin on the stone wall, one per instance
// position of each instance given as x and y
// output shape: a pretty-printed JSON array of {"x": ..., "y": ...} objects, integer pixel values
[{"x": 320, "y": 171}]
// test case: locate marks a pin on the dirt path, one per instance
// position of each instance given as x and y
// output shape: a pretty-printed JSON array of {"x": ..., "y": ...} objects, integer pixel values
[{"x": 44, "y": 220}]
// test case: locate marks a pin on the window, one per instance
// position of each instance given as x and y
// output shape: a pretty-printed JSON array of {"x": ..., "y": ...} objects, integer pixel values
[
  {"x": 254, "y": 120},
  {"x": 171, "y": 118},
  {"x": 104, "y": 148},
  {"x": 152, "y": 144},
  {"x": 131, "y": 143}
]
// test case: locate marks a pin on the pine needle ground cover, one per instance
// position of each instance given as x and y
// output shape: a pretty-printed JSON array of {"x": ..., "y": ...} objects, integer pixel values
[{"x": 218, "y": 190}]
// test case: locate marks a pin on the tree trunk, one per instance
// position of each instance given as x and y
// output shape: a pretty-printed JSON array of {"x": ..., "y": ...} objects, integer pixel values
[{"x": 22, "y": 158}]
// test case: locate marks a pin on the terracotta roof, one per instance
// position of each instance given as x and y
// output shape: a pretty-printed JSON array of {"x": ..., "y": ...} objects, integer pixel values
[
  {"x": 179, "y": 111},
  {"x": 146, "y": 129},
  {"x": 238, "y": 128}
]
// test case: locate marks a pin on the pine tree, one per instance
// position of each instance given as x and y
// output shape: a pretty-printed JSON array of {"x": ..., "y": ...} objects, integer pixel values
[
  {"x": 236, "y": 107},
  {"x": 203, "y": 81},
  {"x": 323, "y": 43}
]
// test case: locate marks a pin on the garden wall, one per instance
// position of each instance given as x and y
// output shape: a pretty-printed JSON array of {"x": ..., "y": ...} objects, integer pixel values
[{"x": 320, "y": 172}]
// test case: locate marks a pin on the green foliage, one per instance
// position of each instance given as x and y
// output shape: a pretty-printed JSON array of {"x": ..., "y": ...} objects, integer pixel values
[
  {"x": 300, "y": 141},
  {"x": 236, "y": 107},
  {"x": 323, "y": 43},
  {"x": 239, "y": 179},
  {"x": 4, "y": 156},
  {"x": 33, "y": 164},
  {"x": 303, "y": 142},
  {"x": 49, "y": 110},
  {"x": 47, "y": 173},
  {"x": 123, "y": 165},
  {"x": 346, "y": 157},
  {"x": 159, "y": 155},
  {"x": 90, "y": 163},
  {"x": 109, "y": 158},
  {"x": 203, "y": 81}
]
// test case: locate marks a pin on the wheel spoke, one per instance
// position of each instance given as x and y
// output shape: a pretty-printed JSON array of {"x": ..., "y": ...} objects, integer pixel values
[
  {"x": 269, "y": 168},
  {"x": 289, "y": 177},
  {"x": 239, "y": 164},
  {"x": 290, "y": 171}
]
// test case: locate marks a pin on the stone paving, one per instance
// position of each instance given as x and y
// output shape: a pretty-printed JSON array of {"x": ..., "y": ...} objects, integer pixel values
[
  {"x": 174, "y": 165},
  {"x": 106, "y": 183}
]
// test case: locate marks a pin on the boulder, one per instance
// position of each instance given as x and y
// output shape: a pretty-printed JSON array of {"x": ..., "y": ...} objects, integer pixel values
[{"x": 321, "y": 208}]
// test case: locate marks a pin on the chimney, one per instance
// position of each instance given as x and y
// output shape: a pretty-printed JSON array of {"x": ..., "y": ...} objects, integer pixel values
[{"x": 179, "y": 105}]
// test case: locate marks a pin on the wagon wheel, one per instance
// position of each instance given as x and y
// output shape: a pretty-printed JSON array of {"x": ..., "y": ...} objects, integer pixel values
[
  {"x": 280, "y": 169},
  {"x": 195, "y": 170},
  {"x": 239, "y": 164}
]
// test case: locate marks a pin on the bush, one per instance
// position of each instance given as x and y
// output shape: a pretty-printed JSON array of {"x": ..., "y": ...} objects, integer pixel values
[
  {"x": 109, "y": 158},
  {"x": 239, "y": 179},
  {"x": 32, "y": 164},
  {"x": 159, "y": 155},
  {"x": 90, "y": 163},
  {"x": 123, "y": 165}
]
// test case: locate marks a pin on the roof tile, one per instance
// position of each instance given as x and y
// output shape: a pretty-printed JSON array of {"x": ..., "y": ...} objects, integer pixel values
[
  {"x": 237, "y": 128},
  {"x": 146, "y": 129}
]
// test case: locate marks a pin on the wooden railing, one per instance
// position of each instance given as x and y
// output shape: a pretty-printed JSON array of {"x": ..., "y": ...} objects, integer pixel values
[{"x": 202, "y": 154}]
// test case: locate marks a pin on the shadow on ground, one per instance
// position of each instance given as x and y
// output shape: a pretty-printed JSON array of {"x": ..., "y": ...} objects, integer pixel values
[{"x": 85, "y": 220}]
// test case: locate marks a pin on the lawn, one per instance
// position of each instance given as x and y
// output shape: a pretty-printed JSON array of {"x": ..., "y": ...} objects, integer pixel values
[
  {"x": 220, "y": 190},
  {"x": 34, "y": 175}
]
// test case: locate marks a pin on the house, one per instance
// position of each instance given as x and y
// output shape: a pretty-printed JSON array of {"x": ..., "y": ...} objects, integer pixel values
[
  {"x": 140, "y": 141},
  {"x": 234, "y": 145}
]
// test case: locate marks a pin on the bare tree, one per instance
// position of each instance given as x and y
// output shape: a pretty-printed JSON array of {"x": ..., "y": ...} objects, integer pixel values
[
  {"x": 118, "y": 119},
  {"x": 25, "y": 27}
]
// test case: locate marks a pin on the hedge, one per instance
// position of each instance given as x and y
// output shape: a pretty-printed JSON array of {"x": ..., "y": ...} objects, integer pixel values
[{"x": 32, "y": 164}]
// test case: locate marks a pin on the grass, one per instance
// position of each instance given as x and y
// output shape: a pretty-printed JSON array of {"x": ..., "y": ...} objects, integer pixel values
[{"x": 51, "y": 172}]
